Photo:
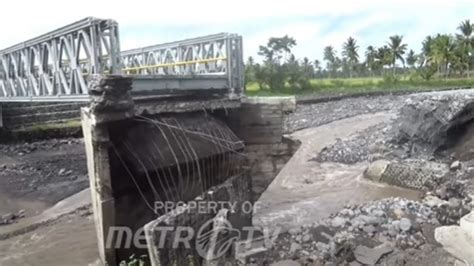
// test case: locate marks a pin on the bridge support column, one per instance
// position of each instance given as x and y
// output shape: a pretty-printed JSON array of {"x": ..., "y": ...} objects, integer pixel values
[{"x": 110, "y": 101}]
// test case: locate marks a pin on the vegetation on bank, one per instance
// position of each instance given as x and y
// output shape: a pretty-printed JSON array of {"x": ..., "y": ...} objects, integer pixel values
[
  {"x": 446, "y": 60},
  {"x": 354, "y": 85}
]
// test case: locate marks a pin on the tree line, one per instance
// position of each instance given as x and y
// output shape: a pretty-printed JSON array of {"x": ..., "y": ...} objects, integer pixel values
[{"x": 445, "y": 55}]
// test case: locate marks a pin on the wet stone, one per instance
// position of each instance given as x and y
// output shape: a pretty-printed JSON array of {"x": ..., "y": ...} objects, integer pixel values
[
  {"x": 369, "y": 229},
  {"x": 405, "y": 224},
  {"x": 456, "y": 165},
  {"x": 338, "y": 221},
  {"x": 294, "y": 231},
  {"x": 294, "y": 247}
]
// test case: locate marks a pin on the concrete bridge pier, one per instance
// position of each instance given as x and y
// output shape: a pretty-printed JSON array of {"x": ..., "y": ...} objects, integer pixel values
[
  {"x": 175, "y": 149},
  {"x": 1, "y": 117},
  {"x": 158, "y": 151}
]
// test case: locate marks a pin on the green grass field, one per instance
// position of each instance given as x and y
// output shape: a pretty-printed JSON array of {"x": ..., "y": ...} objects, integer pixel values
[{"x": 328, "y": 86}]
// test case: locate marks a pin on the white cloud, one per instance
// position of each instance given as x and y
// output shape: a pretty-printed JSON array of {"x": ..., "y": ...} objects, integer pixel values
[{"x": 306, "y": 20}]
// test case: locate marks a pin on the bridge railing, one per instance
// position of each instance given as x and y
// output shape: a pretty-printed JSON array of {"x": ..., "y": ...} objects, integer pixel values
[{"x": 209, "y": 62}]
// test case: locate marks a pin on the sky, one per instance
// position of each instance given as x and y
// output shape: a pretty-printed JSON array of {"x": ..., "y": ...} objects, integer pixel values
[{"x": 314, "y": 24}]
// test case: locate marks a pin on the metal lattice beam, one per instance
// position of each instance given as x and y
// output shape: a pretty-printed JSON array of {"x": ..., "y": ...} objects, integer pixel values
[
  {"x": 56, "y": 65},
  {"x": 213, "y": 61}
]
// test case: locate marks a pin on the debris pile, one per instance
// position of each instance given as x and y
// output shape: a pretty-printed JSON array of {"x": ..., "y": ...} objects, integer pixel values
[
  {"x": 368, "y": 145},
  {"x": 363, "y": 234},
  {"x": 323, "y": 112},
  {"x": 427, "y": 120}
]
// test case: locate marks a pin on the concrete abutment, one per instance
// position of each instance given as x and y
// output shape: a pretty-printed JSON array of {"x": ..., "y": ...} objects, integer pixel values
[{"x": 171, "y": 150}]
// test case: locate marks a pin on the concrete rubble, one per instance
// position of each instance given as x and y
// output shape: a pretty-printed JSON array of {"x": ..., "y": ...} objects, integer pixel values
[{"x": 459, "y": 240}]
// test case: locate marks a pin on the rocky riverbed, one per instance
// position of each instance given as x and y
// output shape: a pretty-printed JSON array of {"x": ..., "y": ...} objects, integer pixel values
[
  {"x": 363, "y": 234},
  {"x": 394, "y": 231},
  {"x": 316, "y": 114}
]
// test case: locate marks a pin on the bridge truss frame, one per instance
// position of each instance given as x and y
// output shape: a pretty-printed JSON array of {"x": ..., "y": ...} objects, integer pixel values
[{"x": 56, "y": 66}]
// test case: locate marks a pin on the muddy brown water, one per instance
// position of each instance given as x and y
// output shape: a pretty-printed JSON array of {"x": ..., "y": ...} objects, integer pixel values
[
  {"x": 306, "y": 191},
  {"x": 69, "y": 241}
]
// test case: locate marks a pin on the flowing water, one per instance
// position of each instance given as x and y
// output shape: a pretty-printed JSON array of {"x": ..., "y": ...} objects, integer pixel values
[{"x": 306, "y": 191}]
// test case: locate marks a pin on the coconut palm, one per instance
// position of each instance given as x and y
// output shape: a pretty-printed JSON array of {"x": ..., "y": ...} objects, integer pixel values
[
  {"x": 350, "y": 54},
  {"x": 397, "y": 50},
  {"x": 330, "y": 57},
  {"x": 426, "y": 51},
  {"x": 411, "y": 58},
  {"x": 329, "y": 54},
  {"x": 467, "y": 32},
  {"x": 383, "y": 57},
  {"x": 317, "y": 65},
  {"x": 370, "y": 54},
  {"x": 466, "y": 43},
  {"x": 442, "y": 51}
]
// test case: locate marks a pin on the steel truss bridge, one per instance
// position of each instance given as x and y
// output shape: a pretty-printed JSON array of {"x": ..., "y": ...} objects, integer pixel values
[{"x": 56, "y": 66}]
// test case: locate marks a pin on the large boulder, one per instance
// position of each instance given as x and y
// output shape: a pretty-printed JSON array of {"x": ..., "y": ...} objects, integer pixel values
[
  {"x": 458, "y": 240},
  {"x": 428, "y": 118}
]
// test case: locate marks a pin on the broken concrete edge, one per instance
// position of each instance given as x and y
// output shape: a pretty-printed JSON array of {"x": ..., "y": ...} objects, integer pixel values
[
  {"x": 111, "y": 100},
  {"x": 77, "y": 202},
  {"x": 429, "y": 120}
]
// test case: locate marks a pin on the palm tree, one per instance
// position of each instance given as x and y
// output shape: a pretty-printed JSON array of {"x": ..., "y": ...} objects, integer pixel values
[
  {"x": 329, "y": 53},
  {"x": 411, "y": 58},
  {"x": 466, "y": 42},
  {"x": 383, "y": 57},
  {"x": 426, "y": 50},
  {"x": 317, "y": 68},
  {"x": 308, "y": 69},
  {"x": 370, "y": 54},
  {"x": 317, "y": 65},
  {"x": 442, "y": 51},
  {"x": 397, "y": 49},
  {"x": 330, "y": 57},
  {"x": 349, "y": 52}
]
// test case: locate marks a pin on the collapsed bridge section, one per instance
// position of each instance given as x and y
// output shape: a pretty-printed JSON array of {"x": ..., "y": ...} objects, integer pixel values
[{"x": 141, "y": 158}]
